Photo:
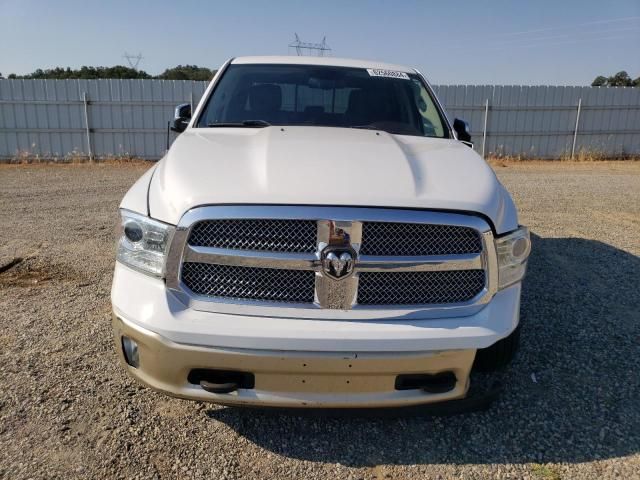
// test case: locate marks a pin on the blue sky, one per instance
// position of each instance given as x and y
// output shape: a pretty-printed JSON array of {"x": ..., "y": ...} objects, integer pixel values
[{"x": 455, "y": 42}]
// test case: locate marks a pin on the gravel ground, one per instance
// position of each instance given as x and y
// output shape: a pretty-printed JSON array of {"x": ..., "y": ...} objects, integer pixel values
[{"x": 571, "y": 407}]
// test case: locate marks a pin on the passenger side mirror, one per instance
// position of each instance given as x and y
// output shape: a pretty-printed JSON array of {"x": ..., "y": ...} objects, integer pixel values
[
  {"x": 462, "y": 131},
  {"x": 181, "y": 117}
]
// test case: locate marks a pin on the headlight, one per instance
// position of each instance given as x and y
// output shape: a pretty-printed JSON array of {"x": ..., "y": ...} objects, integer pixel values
[
  {"x": 512, "y": 250},
  {"x": 144, "y": 243}
]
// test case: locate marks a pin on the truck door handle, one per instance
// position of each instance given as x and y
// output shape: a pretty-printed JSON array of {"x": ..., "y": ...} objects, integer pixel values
[{"x": 218, "y": 387}]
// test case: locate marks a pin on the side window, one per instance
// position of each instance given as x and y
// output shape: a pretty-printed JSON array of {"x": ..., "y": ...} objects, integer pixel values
[{"x": 431, "y": 122}]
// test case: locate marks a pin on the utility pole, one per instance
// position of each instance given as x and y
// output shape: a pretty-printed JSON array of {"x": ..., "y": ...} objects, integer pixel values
[
  {"x": 133, "y": 60},
  {"x": 312, "y": 49}
]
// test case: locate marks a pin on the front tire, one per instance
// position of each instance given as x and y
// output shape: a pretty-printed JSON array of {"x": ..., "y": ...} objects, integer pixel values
[{"x": 498, "y": 355}]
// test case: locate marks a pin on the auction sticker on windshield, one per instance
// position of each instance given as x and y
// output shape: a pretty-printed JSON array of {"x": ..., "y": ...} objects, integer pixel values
[{"x": 377, "y": 72}]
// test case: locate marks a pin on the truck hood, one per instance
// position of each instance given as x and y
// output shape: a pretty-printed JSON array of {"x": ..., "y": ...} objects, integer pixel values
[{"x": 324, "y": 166}]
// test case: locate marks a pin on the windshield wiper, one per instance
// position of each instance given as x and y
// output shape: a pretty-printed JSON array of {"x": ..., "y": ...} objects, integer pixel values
[
  {"x": 365, "y": 127},
  {"x": 244, "y": 123}
]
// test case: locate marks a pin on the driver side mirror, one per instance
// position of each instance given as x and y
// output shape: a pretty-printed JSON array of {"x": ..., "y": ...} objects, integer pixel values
[
  {"x": 462, "y": 131},
  {"x": 181, "y": 117}
]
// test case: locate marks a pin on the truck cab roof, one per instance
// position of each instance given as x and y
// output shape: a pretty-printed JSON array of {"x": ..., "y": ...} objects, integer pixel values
[{"x": 326, "y": 61}]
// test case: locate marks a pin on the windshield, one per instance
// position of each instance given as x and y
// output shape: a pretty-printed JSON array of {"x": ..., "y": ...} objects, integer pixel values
[{"x": 260, "y": 95}]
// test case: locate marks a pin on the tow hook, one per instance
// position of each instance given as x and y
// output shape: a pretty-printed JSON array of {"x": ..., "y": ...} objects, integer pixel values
[
  {"x": 221, "y": 381},
  {"x": 218, "y": 387}
]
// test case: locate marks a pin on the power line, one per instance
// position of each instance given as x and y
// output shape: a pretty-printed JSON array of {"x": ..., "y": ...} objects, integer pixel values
[
  {"x": 565, "y": 27},
  {"x": 583, "y": 35},
  {"x": 506, "y": 46},
  {"x": 552, "y": 40}
]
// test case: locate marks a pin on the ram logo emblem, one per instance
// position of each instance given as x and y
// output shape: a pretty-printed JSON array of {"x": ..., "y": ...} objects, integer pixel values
[{"x": 338, "y": 262}]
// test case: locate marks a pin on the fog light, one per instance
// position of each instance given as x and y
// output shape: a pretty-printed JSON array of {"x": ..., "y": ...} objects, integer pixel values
[{"x": 130, "y": 349}]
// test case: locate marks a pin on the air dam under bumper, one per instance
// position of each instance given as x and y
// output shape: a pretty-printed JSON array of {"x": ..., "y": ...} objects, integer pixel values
[{"x": 296, "y": 362}]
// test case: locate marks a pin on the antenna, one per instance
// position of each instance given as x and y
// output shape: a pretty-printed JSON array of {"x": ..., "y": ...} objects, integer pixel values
[
  {"x": 311, "y": 49},
  {"x": 133, "y": 60}
]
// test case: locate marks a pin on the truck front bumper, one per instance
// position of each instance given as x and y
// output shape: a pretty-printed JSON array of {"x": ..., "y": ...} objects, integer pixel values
[
  {"x": 291, "y": 378},
  {"x": 299, "y": 362}
]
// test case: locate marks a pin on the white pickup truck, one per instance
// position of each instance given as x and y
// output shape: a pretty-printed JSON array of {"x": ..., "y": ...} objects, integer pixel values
[{"x": 319, "y": 235}]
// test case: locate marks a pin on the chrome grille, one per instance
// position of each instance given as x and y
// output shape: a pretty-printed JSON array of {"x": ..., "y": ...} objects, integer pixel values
[
  {"x": 413, "y": 288},
  {"x": 243, "y": 257},
  {"x": 297, "y": 236},
  {"x": 415, "y": 239},
  {"x": 249, "y": 283}
]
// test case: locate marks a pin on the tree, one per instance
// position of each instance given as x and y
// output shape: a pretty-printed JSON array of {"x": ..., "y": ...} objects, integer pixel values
[
  {"x": 181, "y": 72},
  {"x": 187, "y": 72},
  {"x": 85, "y": 72},
  {"x": 620, "y": 79}
]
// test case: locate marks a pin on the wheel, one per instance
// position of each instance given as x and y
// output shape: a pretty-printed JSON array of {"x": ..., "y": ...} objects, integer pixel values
[{"x": 498, "y": 355}]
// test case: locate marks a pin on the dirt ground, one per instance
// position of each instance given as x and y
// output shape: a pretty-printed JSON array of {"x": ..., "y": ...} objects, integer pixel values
[{"x": 570, "y": 409}]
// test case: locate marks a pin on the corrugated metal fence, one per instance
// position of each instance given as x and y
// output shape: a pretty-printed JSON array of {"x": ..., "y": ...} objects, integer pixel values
[
  {"x": 546, "y": 121},
  {"x": 122, "y": 118},
  {"x": 102, "y": 118}
]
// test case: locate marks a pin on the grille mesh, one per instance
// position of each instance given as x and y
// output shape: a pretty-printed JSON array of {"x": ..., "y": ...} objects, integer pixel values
[
  {"x": 414, "y": 288},
  {"x": 249, "y": 283},
  {"x": 414, "y": 239},
  {"x": 265, "y": 235}
]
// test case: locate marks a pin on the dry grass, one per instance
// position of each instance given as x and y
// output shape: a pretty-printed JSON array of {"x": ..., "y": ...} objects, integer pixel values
[
  {"x": 493, "y": 160},
  {"x": 575, "y": 164},
  {"x": 580, "y": 156},
  {"x": 545, "y": 472},
  {"x": 76, "y": 160},
  {"x": 24, "y": 157}
]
